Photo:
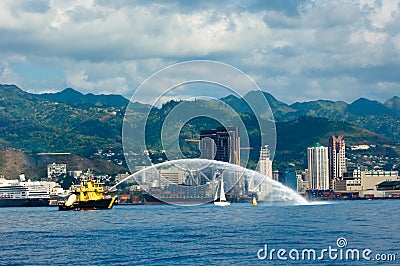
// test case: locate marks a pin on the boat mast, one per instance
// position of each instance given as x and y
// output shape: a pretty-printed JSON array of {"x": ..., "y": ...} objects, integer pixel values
[
  {"x": 222, "y": 195},
  {"x": 216, "y": 193}
]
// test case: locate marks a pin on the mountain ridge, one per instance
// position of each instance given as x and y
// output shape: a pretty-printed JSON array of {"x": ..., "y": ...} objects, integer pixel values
[
  {"x": 382, "y": 118},
  {"x": 280, "y": 109},
  {"x": 31, "y": 124},
  {"x": 73, "y": 97},
  {"x": 34, "y": 124}
]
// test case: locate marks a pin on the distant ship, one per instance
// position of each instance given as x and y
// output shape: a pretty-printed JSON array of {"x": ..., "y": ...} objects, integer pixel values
[
  {"x": 178, "y": 194},
  {"x": 89, "y": 195},
  {"x": 174, "y": 199},
  {"x": 188, "y": 195},
  {"x": 21, "y": 193}
]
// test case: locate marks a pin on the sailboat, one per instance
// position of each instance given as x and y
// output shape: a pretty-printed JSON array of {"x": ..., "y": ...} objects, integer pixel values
[
  {"x": 254, "y": 202},
  {"x": 222, "y": 199}
]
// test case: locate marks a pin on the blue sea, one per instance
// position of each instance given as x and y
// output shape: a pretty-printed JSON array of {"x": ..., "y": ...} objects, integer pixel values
[{"x": 202, "y": 235}]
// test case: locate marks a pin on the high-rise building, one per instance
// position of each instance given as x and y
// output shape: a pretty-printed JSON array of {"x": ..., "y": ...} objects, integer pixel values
[
  {"x": 318, "y": 167},
  {"x": 288, "y": 177},
  {"x": 221, "y": 144},
  {"x": 265, "y": 163},
  {"x": 337, "y": 159},
  {"x": 262, "y": 187}
]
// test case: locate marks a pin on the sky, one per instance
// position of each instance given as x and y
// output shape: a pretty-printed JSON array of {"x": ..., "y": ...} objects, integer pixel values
[{"x": 296, "y": 50}]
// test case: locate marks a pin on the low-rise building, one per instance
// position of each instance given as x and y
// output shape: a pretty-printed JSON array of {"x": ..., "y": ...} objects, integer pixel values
[
  {"x": 388, "y": 185},
  {"x": 365, "y": 180},
  {"x": 175, "y": 176},
  {"x": 75, "y": 174},
  {"x": 55, "y": 170},
  {"x": 370, "y": 179},
  {"x": 302, "y": 183},
  {"x": 120, "y": 177}
]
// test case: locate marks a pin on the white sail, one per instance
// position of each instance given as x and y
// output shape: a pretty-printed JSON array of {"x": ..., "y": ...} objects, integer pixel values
[
  {"x": 216, "y": 193},
  {"x": 254, "y": 201},
  {"x": 222, "y": 194},
  {"x": 222, "y": 199}
]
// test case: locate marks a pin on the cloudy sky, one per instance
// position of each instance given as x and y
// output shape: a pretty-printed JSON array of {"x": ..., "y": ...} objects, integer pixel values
[{"x": 296, "y": 50}]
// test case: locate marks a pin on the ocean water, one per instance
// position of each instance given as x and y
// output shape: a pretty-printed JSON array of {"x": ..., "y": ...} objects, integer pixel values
[{"x": 199, "y": 235}]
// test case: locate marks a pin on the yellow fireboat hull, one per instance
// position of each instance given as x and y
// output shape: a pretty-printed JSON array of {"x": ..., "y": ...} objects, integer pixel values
[{"x": 88, "y": 205}]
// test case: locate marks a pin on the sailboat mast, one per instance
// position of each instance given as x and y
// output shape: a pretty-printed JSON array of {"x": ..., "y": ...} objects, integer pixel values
[
  {"x": 222, "y": 194},
  {"x": 216, "y": 193}
]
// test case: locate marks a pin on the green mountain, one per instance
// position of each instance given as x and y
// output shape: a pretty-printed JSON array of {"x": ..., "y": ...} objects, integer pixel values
[
  {"x": 74, "y": 98},
  {"x": 295, "y": 136},
  {"x": 320, "y": 108},
  {"x": 278, "y": 108},
  {"x": 238, "y": 104},
  {"x": 365, "y": 107},
  {"x": 83, "y": 124},
  {"x": 35, "y": 125},
  {"x": 394, "y": 105},
  {"x": 257, "y": 100},
  {"x": 381, "y": 118}
]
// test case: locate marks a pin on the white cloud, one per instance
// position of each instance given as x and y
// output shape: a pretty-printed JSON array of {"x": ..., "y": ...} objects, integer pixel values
[
  {"x": 113, "y": 47},
  {"x": 383, "y": 13},
  {"x": 396, "y": 42},
  {"x": 8, "y": 76}
]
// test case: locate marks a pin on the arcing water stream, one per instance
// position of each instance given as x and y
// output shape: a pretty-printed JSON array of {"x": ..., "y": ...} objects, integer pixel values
[{"x": 201, "y": 177}]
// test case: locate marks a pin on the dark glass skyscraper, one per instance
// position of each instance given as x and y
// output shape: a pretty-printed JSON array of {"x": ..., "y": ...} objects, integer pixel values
[
  {"x": 288, "y": 177},
  {"x": 221, "y": 144}
]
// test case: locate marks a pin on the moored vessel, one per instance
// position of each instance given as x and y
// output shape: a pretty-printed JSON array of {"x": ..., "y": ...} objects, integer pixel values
[
  {"x": 21, "y": 193},
  {"x": 150, "y": 199},
  {"x": 88, "y": 195}
]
